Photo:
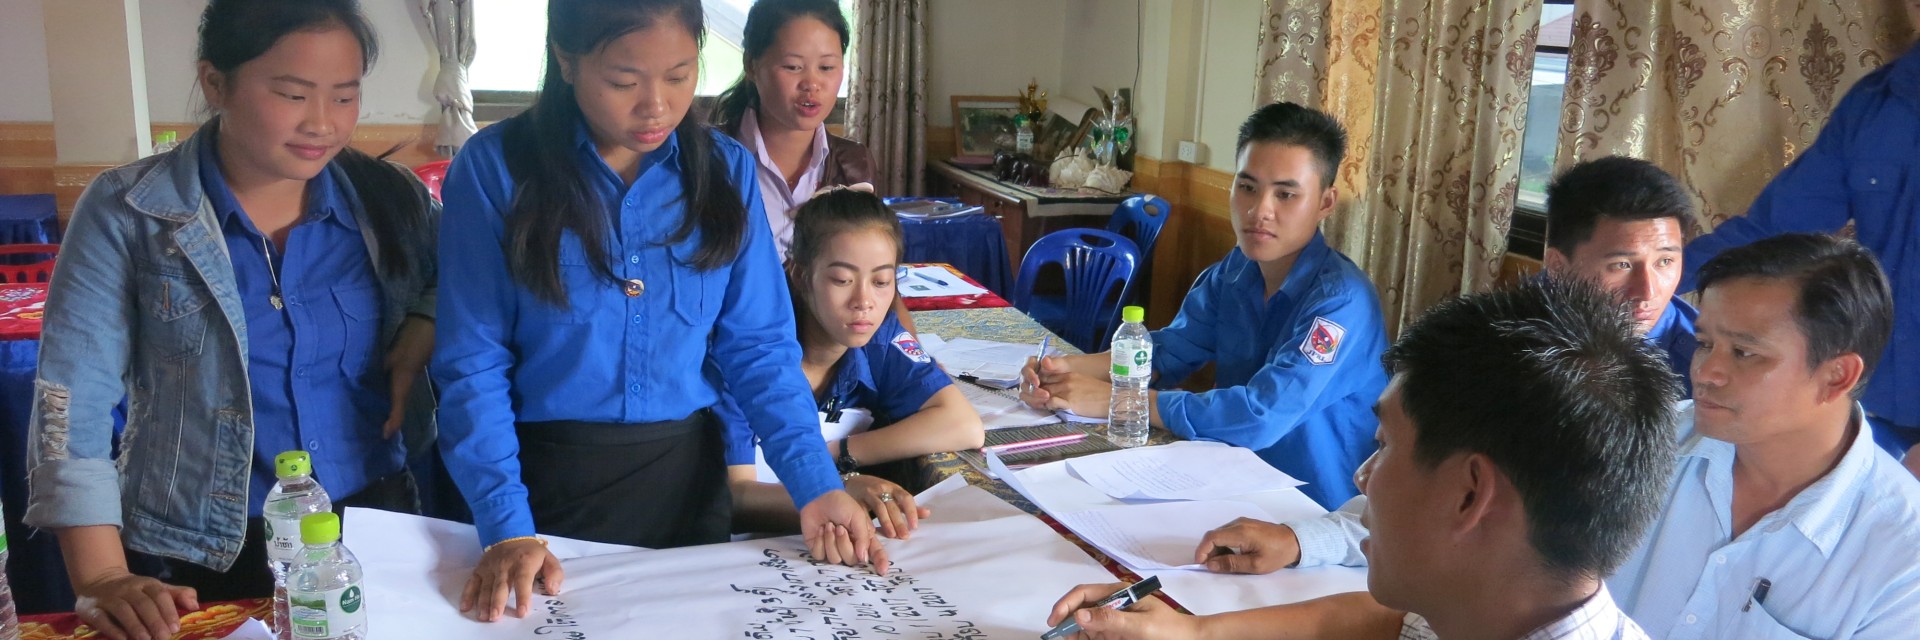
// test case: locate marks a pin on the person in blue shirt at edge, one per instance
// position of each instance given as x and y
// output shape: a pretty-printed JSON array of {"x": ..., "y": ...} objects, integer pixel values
[
  {"x": 262, "y": 288},
  {"x": 1615, "y": 221},
  {"x": 859, "y": 360},
  {"x": 1864, "y": 169},
  {"x": 601, "y": 249},
  {"x": 1294, "y": 328},
  {"x": 1525, "y": 444}
]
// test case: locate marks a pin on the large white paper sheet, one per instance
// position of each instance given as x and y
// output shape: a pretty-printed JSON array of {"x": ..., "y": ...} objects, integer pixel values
[
  {"x": 1159, "y": 535},
  {"x": 934, "y": 282},
  {"x": 1054, "y": 489},
  {"x": 998, "y": 411},
  {"x": 978, "y": 568},
  {"x": 1180, "y": 471}
]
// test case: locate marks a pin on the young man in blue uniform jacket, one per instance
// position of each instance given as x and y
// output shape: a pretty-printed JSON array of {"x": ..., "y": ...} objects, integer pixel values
[{"x": 1293, "y": 327}]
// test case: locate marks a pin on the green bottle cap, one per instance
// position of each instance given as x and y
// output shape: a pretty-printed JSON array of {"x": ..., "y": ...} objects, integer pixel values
[
  {"x": 1133, "y": 314},
  {"x": 292, "y": 463},
  {"x": 320, "y": 528}
]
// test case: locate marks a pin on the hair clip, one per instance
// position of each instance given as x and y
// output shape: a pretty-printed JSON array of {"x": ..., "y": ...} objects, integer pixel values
[{"x": 863, "y": 187}]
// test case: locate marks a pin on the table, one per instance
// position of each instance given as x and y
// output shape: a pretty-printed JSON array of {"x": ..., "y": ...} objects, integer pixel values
[
  {"x": 979, "y": 301},
  {"x": 972, "y": 242},
  {"x": 211, "y": 622},
  {"x": 1025, "y": 213}
]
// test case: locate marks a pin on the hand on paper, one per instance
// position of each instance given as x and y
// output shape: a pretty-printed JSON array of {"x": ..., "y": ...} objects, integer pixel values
[
  {"x": 1248, "y": 546},
  {"x": 406, "y": 360},
  {"x": 1151, "y": 618},
  {"x": 891, "y": 504},
  {"x": 1053, "y": 385},
  {"x": 124, "y": 606},
  {"x": 839, "y": 530},
  {"x": 507, "y": 573}
]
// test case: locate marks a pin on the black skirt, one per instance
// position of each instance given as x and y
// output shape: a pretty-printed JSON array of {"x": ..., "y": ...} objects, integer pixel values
[{"x": 654, "y": 485}]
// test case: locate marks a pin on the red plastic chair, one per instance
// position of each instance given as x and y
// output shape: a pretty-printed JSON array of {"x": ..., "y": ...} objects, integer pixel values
[
  {"x": 433, "y": 173},
  {"x": 13, "y": 272}
]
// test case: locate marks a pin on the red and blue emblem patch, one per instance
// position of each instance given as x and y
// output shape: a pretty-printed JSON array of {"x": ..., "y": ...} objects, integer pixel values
[
  {"x": 1323, "y": 341},
  {"x": 910, "y": 347}
]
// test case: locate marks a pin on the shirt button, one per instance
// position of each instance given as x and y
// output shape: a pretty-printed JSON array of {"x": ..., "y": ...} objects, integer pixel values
[
  {"x": 634, "y": 388},
  {"x": 1719, "y": 558},
  {"x": 313, "y": 444},
  {"x": 629, "y": 202},
  {"x": 635, "y": 259},
  {"x": 1691, "y": 619},
  {"x": 302, "y": 372},
  {"x": 1873, "y": 181},
  {"x": 636, "y": 318}
]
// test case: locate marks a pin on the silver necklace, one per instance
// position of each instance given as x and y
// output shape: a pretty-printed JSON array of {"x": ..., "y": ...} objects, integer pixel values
[{"x": 275, "y": 298}]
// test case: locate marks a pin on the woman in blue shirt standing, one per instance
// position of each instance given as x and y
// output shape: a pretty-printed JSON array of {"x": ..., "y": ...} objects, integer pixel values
[
  {"x": 864, "y": 368},
  {"x": 248, "y": 294},
  {"x": 603, "y": 283}
]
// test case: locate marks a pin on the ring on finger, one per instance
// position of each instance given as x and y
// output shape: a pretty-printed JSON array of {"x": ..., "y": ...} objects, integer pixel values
[{"x": 886, "y": 497}]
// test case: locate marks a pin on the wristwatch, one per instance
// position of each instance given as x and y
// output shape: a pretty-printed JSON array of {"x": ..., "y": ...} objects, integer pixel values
[{"x": 845, "y": 463}]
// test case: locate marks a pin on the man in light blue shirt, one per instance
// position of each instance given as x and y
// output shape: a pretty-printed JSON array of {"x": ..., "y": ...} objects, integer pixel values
[{"x": 1783, "y": 520}]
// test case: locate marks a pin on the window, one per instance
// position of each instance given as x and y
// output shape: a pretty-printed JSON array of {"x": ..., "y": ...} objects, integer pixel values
[
  {"x": 510, "y": 36},
  {"x": 1540, "y": 141}
]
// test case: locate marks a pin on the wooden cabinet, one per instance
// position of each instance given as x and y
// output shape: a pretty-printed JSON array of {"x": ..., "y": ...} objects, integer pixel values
[{"x": 1024, "y": 215}]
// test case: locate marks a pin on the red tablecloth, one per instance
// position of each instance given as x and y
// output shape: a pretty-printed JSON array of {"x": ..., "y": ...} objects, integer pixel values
[
  {"x": 981, "y": 301},
  {"x": 214, "y": 621},
  {"x": 22, "y": 306}
]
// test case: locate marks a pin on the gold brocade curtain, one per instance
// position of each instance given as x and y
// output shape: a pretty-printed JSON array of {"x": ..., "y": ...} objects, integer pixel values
[
  {"x": 887, "y": 105},
  {"x": 1434, "y": 94},
  {"x": 1721, "y": 93}
]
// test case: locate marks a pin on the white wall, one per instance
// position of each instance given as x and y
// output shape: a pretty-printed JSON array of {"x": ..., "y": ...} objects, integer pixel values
[
  {"x": 23, "y": 63},
  {"x": 1228, "y": 59},
  {"x": 990, "y": 48},
  {"x": 400, "y": 89}
]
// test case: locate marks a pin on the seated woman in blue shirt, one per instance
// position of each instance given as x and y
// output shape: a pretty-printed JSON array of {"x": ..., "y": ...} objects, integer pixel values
[
  {"x": 1293, "y": 327},
  {"x": 600, "y": 253},
  {"x": 864, "y": 368},
  {"x": 260, "y": 289}
]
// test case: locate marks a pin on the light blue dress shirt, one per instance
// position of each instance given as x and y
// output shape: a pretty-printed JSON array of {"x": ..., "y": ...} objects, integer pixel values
[{"x": 1842, "y": 558}]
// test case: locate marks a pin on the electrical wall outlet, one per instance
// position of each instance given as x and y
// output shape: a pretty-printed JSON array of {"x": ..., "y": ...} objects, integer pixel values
[{"x": 1192, "y": 152}]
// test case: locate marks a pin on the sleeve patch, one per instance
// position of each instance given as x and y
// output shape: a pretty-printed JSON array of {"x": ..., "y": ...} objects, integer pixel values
[
  {"x": 1323, "y": 341},
  {"x": 910, "y": 347}
]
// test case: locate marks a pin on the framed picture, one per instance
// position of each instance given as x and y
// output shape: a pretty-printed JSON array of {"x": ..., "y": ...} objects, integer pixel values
[{"x": 983, "y": 124}]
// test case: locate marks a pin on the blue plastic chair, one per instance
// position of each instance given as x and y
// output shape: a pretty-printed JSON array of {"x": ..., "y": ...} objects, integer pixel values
[
  {"x": 1140, "y": 218},
  {"x": 1099, "y": 267}
]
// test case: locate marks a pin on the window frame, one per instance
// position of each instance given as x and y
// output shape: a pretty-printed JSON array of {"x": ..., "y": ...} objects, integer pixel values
[{"x": 1527, "y": 232}]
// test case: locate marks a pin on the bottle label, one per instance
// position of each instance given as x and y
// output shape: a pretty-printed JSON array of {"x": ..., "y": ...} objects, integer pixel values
[
  {"x": 318, "y": 615},
  {"x": 283, "y": 539},
  {"x": 1132, "y": 363}
]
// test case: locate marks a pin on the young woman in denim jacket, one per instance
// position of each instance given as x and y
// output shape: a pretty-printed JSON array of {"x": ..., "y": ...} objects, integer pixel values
[{"x": 262, "y": 288}]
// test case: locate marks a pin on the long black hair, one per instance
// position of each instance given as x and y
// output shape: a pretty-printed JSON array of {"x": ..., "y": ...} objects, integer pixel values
[
  {"x": 552, "y": 194},
  {"x": 234, "y": 32},
  {"x": 764, "y": 22}
]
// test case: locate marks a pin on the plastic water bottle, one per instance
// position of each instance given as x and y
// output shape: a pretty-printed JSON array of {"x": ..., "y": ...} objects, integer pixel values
[
  {"x": 327, "y": 587},
  {"x": 9, "y": 618},
  {"x": 295, "y": 496},
  {"x": 1132, "y": 369}
]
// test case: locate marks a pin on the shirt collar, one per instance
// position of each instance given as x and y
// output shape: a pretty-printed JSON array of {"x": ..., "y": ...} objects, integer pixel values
[
  {"x": 1300, "y": 276},
  {"x": 1822, "y": 511},
  {"x": 583, "y": 138},
  {"x": 1598, "y": 617},
  {"x": 750, "y": 134},
  {"x": 851, "y": 374},
  {"x": 324, "y": 201}
]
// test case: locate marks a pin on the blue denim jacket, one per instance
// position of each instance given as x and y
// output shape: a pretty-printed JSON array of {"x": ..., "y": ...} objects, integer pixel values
[{"x": 143, "y": 306}]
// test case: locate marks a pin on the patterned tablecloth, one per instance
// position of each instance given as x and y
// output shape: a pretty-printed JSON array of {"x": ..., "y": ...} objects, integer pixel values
[
  {"x": 986, "y": 300},
  {"x": 22, "y": 307},
  {"x": 1004, "y": 324}
]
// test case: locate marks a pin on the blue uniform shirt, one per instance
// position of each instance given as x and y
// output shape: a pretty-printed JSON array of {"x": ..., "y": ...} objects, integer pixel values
[
  {"x": 1864, "y": 168},
  {"x": 891, "y": 376},
  {"x": 1296, "y": 375},
  {"x": 504, "y": 356},
  {"x": 1674, "y": 335},
  {"x": 315, "y": 368},
  {"x": 1842, "y": 557}
]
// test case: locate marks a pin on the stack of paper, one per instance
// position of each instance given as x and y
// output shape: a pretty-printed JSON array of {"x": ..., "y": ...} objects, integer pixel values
[
  {"x": 992, "y": 363},
  {"x": 1180, "y": 473},
  {"x": 1156, "y": 536}
]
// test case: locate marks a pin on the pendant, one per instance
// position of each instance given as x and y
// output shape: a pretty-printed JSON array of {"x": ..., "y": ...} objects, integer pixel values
[{"x": 277, "y": 304}]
